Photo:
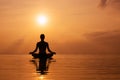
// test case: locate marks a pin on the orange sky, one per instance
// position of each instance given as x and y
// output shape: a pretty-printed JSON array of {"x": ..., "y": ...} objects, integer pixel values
[{"x": 74, "y": 26}]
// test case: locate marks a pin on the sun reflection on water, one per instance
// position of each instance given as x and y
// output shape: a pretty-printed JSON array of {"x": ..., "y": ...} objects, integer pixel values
[{"x": 41, "y": 77}]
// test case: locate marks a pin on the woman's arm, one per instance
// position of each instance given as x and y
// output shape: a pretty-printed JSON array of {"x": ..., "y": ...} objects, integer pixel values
[
  {"x": 35, "y": 48},
  {"x": 48, "y": 48}
]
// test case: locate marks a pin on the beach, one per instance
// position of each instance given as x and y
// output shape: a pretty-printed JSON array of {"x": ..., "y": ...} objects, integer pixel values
[{"x": 63, "y": 67}]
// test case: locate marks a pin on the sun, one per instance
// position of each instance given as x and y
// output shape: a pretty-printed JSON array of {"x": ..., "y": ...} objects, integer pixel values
[{"x": 42, "y": 20}]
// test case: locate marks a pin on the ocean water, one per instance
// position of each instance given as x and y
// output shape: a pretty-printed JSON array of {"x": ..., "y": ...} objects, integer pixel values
[{"x": 63, "y": 67}]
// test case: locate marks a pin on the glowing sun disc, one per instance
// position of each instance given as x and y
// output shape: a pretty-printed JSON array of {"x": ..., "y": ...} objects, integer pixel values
[{"x": 41, "y": 20}]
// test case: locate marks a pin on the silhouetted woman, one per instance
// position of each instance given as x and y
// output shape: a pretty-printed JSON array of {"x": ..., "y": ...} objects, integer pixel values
[{"x": 42, "y": 46}]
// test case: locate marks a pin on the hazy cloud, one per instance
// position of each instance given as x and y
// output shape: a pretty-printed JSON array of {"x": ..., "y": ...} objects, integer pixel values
[
  {"x": 104, "y": 42},
  {"x": 14, "y": 48},
  {"x": 108, "y": 40},
  {"x": 103, "y": 3},
  {"x": 113, "y": 3}
]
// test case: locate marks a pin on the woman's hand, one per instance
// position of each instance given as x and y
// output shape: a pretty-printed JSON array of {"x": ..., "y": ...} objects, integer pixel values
[{"x": 31, "y": 52}]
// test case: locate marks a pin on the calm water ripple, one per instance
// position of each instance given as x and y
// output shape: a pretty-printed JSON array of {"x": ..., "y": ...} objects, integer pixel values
[{"x": 64, "y": 67}]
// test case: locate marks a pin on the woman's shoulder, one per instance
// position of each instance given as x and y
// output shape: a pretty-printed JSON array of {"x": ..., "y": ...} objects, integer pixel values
[
  {"x": 38, "y": 42},
  {"x": 46, "y": 42}
]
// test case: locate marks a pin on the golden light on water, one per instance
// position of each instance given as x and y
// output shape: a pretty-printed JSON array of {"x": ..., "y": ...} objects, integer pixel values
[
  {"x": 41, "y": 78},
  {"x": 41, "y": 20}
]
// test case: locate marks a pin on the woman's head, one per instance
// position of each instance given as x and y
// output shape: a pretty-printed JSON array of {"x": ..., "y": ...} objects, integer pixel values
[{"x": 42, "y": 36}]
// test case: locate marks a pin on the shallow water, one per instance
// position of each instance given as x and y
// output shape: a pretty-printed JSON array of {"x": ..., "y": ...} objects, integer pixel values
[{"x": 63, "y": 67}]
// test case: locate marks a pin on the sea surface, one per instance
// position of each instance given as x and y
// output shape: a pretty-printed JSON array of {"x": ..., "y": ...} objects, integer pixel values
[{"x": 62, "y": 67}]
